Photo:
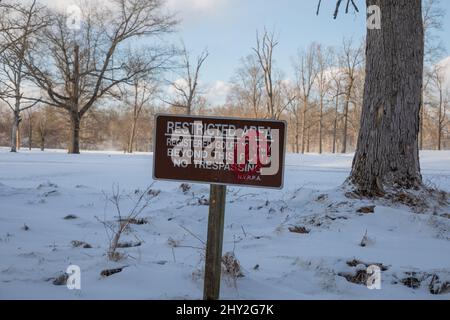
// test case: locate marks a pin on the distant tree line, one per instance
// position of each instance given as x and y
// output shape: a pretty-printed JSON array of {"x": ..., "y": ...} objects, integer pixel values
[{"x": 94, "y": 89}]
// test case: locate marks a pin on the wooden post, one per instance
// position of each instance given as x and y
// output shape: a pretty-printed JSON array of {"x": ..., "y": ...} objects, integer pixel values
[{"x": 213, "y": 263}]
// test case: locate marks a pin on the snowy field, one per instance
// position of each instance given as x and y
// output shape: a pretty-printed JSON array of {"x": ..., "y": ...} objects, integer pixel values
[{"x": 40, "y": 189}]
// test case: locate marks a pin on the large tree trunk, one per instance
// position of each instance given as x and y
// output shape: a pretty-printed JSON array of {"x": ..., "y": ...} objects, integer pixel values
[
  {"x": 18, "y": 137},
  {"x": 422, "y": 124},
  {"x": 387, "y": 156},
  {"x": 15, "y": 134},
  {"x": 74, "y": 136},
  {"x": 75, "y": 117}
]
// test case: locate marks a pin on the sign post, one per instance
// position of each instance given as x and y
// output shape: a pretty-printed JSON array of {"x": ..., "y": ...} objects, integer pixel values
[
  {"x": 220, "y": 152},
  {"x": 214, "y": 243}
]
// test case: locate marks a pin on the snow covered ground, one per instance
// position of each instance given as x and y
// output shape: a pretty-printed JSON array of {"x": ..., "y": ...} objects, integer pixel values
[{"x": 40, "y": 189}]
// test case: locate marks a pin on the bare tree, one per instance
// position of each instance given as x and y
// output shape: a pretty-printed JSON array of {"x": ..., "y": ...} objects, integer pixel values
[
  {"x": 264, "y": 49},
  {"x": 323, "y": 87},
  {"x": 82, "y": 66},
  {"x": 387, "y": 156},
  {"x": 439, "y": 89},
  {"x": 186, "y": 87},
  {"x": 351, "y": 61},
  {"x": 306, "y": 74},
  {"x": 19, "y": 23},
  {"x": 285, "y": 95},
  {"x": 423, "y": 109},
  {"x": 338, "y": 7},
  {"x": 248, "y": 85},
  {"x": 30, "y": 118},
  {"x": 7, "y": 26},
  {"x": 49, "y": 125},
  {"x": 337, "y": 84},
  {"x": 137, "y": 93},
  {"x": 433, "y": 17},
  {"x": 294, "y": 110},
  {"x": 143, "y": 94},
  {"x": 42, "y": 129}
]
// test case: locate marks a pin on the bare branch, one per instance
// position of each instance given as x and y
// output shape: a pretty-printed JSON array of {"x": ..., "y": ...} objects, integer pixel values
[
  {"x": 186, "y": 87},
  {"x": 338, "y": 6}
]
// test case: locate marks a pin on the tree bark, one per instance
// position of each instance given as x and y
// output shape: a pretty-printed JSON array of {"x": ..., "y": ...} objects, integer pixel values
[
  {"x": 422, "y": 124},
  {"x": 387, "y": 156},
  {"x": 75, "y": 116},
  {"x": 42, "y": 143},
  {"x": 18, "y": 137},
  {"x": 74, "y": 138},
  {"x": 15, "y": 135}
]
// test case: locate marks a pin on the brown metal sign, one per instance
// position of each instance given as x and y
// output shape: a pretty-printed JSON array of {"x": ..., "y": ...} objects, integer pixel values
[{"x": 224, "y": 151}]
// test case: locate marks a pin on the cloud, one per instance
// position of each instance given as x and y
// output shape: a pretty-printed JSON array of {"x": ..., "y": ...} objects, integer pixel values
[
  {"x": 190, "y": 9},
  {"x": 187, "y": 10},
  {"x": 196, "y": 4},
  {"x": 60, "y": 4},
  {"x": 172, "y": 4},
  {"x": 181, "y": 83},
  {"x": 217, "y": 92},
  {"x": 63, "y": 5}
]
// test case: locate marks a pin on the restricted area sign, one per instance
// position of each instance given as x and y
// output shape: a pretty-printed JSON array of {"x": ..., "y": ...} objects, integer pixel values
[
  {"x": 220, "y": 152},
  {"x": 223, "y": 151}
]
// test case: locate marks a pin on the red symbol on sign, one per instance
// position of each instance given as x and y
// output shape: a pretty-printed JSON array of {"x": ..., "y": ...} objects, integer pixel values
[{"x": 254, "y": 144}]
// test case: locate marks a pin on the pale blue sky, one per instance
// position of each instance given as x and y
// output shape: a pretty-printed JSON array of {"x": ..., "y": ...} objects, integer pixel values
[{"x": 228, "y": 29}]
